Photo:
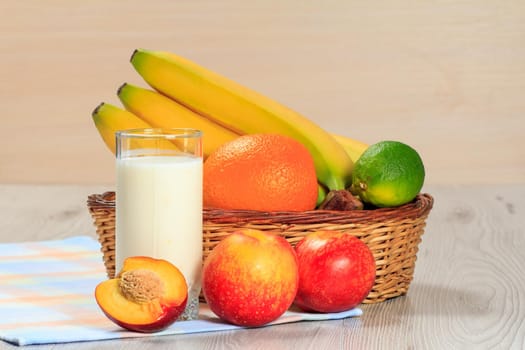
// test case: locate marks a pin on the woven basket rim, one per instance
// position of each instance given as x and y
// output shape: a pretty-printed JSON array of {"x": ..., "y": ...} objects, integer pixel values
[{"x": 420, "y": 206}]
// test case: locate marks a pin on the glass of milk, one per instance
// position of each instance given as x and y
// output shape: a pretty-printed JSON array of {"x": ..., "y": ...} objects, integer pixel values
[{"x": 159, "y": 201}]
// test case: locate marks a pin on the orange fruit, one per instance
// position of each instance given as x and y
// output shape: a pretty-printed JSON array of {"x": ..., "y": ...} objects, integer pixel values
[{"x": 266, "y": 172}]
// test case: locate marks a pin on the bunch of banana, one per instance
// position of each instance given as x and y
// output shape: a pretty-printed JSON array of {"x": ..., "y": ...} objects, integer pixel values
[{"x": 188, "y": 95}]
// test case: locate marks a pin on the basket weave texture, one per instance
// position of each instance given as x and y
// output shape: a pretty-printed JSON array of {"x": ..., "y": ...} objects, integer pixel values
[{"x": 392, "y": 234}]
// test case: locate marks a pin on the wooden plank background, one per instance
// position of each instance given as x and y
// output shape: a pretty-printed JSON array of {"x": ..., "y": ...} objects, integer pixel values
[{"x": 447, "y": 77}]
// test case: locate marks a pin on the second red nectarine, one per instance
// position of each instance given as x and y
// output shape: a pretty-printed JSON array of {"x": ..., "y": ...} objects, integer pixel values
[{"x": 336, "y": 271}]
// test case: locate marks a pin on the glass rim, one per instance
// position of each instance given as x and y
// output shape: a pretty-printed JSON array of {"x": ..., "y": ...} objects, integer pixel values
[{"x": 167, "y": 133}]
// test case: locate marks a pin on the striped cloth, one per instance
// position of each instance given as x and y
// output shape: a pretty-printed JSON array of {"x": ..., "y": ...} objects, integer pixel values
[{"x": 46, "y": 296}]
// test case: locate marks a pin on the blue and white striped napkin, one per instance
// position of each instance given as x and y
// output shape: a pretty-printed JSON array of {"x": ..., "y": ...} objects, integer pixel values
[{"x": 47, "y": 296}]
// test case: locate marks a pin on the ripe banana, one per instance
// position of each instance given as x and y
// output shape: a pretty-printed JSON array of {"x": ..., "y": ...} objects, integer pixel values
[
  {"x": 241, "y": 109},
  {"x": 109, "y": 119},
  {"x": 353, "y": 148},
  {"x": 162, "y": 112}
]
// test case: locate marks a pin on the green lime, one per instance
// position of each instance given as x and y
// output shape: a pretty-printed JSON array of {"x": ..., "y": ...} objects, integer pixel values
[{"x": 388, "y": 174}]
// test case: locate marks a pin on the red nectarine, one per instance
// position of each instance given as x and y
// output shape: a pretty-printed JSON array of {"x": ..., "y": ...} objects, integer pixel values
[{"x": 250, "y": 278}]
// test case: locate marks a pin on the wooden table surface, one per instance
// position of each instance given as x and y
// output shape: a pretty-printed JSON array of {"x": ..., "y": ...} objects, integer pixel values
[{"x": 468, "y": 290}]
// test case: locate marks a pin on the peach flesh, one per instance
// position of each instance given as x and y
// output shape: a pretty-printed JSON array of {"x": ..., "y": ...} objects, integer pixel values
[{"x": 148, "y": 295}]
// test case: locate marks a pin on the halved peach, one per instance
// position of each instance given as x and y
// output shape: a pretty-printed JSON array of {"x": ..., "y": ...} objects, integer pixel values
[{"x": 147, "y": 295}]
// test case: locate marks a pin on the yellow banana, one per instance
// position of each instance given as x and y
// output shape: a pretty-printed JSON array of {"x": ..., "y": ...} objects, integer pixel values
[
  {"x": 353, "y": 148},
  {"x": 242, "y": 109},
  {"x": 109, "y": 119},
  {"x": 162, "y": 112}
]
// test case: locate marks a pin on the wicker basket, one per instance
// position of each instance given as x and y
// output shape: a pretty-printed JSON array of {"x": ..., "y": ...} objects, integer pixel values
[{"x": 392, "y": 234}]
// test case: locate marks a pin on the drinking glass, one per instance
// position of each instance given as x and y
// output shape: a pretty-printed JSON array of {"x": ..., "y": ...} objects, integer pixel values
[{"x": 159, "y": 201}]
